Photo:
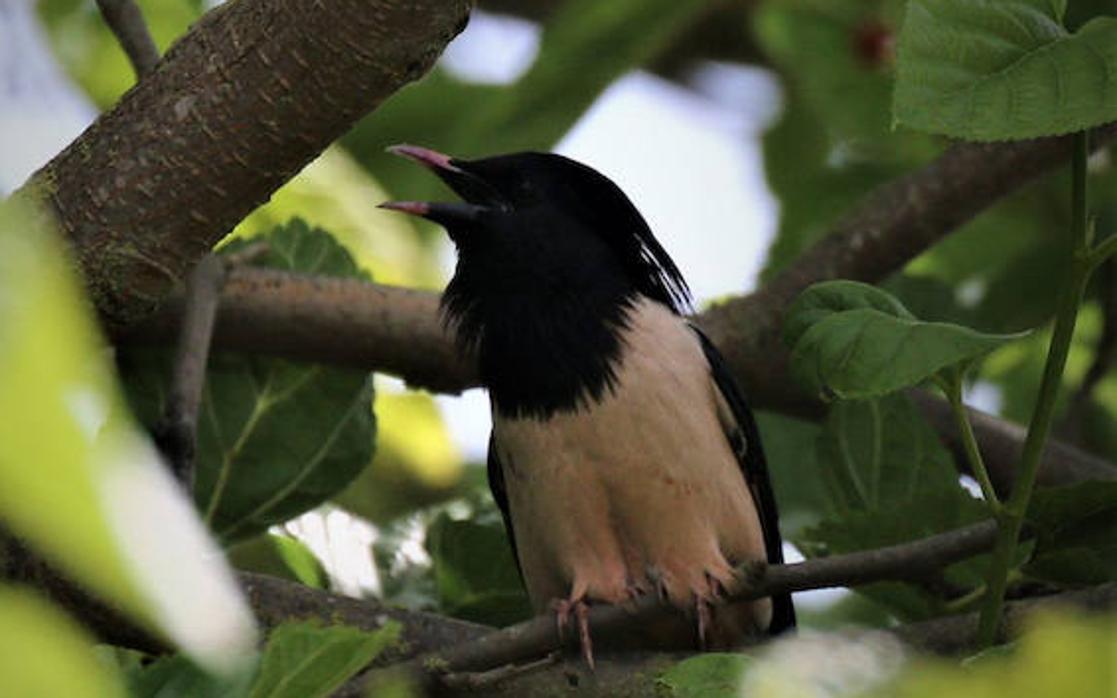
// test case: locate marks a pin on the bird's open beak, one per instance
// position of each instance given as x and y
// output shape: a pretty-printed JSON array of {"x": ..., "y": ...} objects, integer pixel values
[{"x": 479, "y": 195}]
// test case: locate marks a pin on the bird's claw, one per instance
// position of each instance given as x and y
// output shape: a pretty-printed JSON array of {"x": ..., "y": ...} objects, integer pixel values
[{"x": 564, "y": 608}]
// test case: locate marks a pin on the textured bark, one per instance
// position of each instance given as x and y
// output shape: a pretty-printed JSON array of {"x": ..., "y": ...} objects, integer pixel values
[{"x": 236, "y": 107}]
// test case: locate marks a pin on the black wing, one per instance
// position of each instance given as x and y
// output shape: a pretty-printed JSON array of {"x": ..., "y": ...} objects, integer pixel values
[
  {"x": 500, "y": 496},
  {"x": 750, "y": 454}
]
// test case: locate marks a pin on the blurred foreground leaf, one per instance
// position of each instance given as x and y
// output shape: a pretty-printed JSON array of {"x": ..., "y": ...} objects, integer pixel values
[
  {"x": 44, "y": 653},
  {"x": 79, "y": 482},
  {"x": 1058, "y": 656}
]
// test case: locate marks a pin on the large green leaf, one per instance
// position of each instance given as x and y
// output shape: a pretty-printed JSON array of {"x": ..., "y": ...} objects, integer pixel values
[
  {"x": 1003, "y": 70},
  {"x": 852, "y": 340},
  {"x": 1077, "y": 533},
  {"x": 475, "y": 573},
  {"x": 889, "y": 481},
  {"x": 176, "y": 677},
  {"x": 44, "y": 653},
  {"x": 303, "y": 660},
  {"x": 874, "y": 454},
  {"x": 275, "y": 437},
  {"x": 79, "y": 482}
]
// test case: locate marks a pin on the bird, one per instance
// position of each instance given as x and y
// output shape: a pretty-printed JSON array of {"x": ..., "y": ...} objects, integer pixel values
[{"x": 623, "y": 457}]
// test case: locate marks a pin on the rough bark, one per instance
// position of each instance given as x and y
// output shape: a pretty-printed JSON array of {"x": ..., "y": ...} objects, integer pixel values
[{"x": 236, "y": 107}]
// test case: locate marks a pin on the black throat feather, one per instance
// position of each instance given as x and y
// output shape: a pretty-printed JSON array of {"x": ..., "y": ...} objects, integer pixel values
[
  {"x": 543, "y": 300},
  {"x": 541, "y": 353}
]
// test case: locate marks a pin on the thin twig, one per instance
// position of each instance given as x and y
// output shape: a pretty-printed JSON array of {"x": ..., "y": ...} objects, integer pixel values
[
  {"x": 176, "y": 433},
  {"x": 127, "y": 23},
  {"x": 539, "y": 636},
  {"x": 486, "y": 679}
]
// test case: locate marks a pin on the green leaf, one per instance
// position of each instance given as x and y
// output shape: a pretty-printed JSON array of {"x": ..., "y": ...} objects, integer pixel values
[
  {"x": 279, "y": 556},
  {"x": 44, "y": 653},
  {"x": 878, "y": 453},
  {"x": 852, "y": 340},
  {"x": 79, "y": 482},
  {"x": 303, "y": 660},
  {"x": 275, "y": 438},
  {"x": 1003, "y": 70},
  {"x": 889, "y": 481},
  {"x": 177, "y": 677},
  {"x": 475, "y": 573},
  {"x": 1077, "y": 527},
  {"x": 713, "y": 675},
  {"x": 789, "y": 445}
]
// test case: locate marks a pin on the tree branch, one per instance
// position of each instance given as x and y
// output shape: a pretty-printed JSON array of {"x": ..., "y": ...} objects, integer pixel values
[
  {"x": 127, "y": 23},
  {"x": 274, "y": 601},
  {"x": 539, "y": 636},
  {"x": 397, "y": 331},
  {"x": 636, "y": 674},
  {"x": 176, "y": 433},
  {"x": 240, "y": 104},
  {"x": 883, "y": 232}
]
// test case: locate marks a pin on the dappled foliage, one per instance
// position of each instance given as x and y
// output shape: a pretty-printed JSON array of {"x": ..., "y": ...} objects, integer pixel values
[{"x": 870, "y": 91}]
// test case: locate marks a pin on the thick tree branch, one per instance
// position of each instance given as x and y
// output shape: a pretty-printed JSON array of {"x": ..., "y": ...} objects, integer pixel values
[
  {"x": 239, "y": 105},
  {"x": 127, "y": 23},
  {"x": 539, "y": 636}
]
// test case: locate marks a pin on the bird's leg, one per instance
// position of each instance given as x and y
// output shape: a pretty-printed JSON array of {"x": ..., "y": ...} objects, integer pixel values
[
  {"x": 564, "y": 608},
  {"x": 703, "y": 604},
  {"x": 702, "y": 610},
  {"x": 655, "y": 576}
]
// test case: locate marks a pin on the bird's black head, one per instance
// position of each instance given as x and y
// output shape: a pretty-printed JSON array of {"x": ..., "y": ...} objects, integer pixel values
[{"x": 551, "y": 257}]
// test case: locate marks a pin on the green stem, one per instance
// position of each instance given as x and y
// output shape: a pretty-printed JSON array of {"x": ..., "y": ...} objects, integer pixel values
[
  {"x": 953, "y": 389},
  {"x": 1011, "y": 518},
  {"x": 1103, "y": 250}
]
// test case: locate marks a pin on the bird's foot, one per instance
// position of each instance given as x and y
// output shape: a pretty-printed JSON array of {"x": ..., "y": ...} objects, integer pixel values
[
  {"x": 579, "y": 609},
  {"x": 704, "y": 601}
]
